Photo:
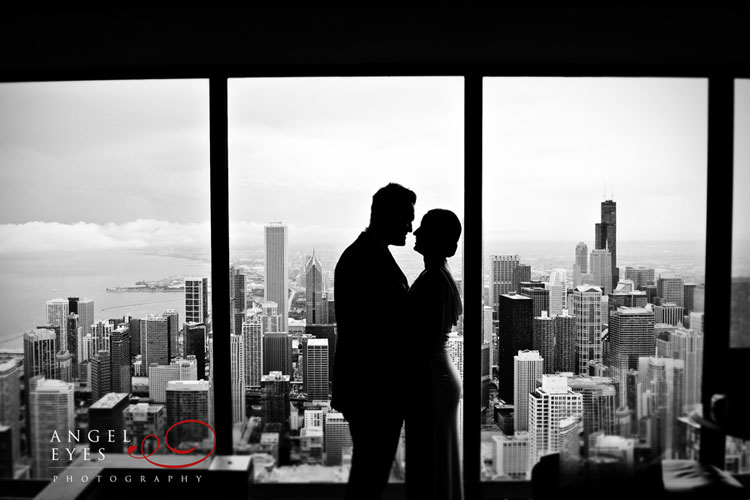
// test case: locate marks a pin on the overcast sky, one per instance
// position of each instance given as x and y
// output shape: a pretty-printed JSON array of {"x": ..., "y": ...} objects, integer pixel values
[{"x": 125, "y": 164}]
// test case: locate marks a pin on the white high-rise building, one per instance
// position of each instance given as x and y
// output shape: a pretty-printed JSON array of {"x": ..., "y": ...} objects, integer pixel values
[
  {"x": 160, "y": 375},
  {"x": 313, "y": 419},
  {"x": 57, "y": 315},
  {"x": 558, "y": 291},
  {"x": 316, "y": 369},
  {"x": 276, "y": 270},
  {"x": 85, "y": 315},
  {"x": 101, "y": 335},
  {"x": 52, "y": 411},
  {"x": 587, "y": 305},
  {"x": 548, "y": 405},
  {"x": 511, "y": 455},
  {"x": 527, "y": 368},
  {"x": 601, "y": 268},
  {"x": 238, "y": 378},
  {"x": 687, "y": 345}
]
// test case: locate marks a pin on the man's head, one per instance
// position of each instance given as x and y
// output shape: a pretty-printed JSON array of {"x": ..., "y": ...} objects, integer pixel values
[{"x": 392, "y": 213}]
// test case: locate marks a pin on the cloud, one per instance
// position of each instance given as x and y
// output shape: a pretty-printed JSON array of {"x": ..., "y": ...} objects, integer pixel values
[{"x": 141, "y": 235}]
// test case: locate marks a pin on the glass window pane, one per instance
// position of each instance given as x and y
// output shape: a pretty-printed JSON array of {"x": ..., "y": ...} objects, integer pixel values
[
  {"x": 594, "y": 240},
  {"x": 306, "y": 156},
  {"x": 737, "y": 455},
  {"x": 740, "y": 320},
  {"x": 104, "y": 211}
]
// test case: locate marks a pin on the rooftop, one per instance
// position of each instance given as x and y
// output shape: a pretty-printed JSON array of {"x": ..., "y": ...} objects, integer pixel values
[{"x": 109, "y": 400}]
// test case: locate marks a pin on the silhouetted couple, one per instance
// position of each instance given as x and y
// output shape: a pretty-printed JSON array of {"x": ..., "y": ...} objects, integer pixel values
[{"x": 392, "y": 363}]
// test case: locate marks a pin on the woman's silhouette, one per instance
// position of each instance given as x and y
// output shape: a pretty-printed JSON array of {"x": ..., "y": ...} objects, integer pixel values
[{"x": 433, "y": 467}]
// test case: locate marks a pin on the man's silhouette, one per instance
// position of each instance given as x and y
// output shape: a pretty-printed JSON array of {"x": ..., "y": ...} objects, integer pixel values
[{"x": 369, "y": 387}]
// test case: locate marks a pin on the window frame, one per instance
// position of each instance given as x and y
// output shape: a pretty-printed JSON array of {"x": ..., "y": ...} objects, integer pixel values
[{"x": 719, "y": 166}]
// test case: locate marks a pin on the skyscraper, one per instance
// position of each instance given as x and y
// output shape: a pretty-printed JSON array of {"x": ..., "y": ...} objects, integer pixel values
[
  {"x": 337, "y": 437},
  {"x": 188, "y": 400},
  {"x": 316, "y": 375},
  {"x": 238, "y": 378},
  {"x": 689, "y": 297},
  {"x": 601, "y": 268},
  {"x": 10, "y": 404},
  {"x": 84, "y": 308},
  {"x": 52, "y": 410},
  {"x": 276, "y": 282},
  {"x": 565, "y": 343},
  {"x": 631, "y": 336},
  {"x": 544, "y": 341},
  {"x": 641, "y": 276},
  {"x": 502, "y": 276},
  {"x": 101, "y": 333},
  {"x": 527, "y": 367},
  {"x": 101, "y": 374},
  {"x": 541, "y": 299},
  {"x": 587, "y": 304},
  {"x": 120, "y": 359},
  {"x": 582, "y": 258},
  {"x": 515, "y": 333},
  {"x": 195, "y": 345},
  {"x": 57, "y": 316},
  {"x": 548, "y": 405},
  {"x": 39, "y": 349},
  {"x": 521, "y": 273},
  {"x": 325, "y": 332},
  {"x": 314, "y": 288},
  {"x": 671, "y": 290},
  {"x": 662, "y": 382},
  {"x": 687, "y": 345},
  {"x": 252, "y": 331},
  {"x": 669, "y": 313},
  {"x": 606, "y": 235},
  {"x": 64, "y": 366},
  {"x": 511, "y": 455},
  {"x": 105, "y": 416},
  {"x": 274, "y": 397},
  {"x": 237, "y": 300},
  {"x": 173, "y": 326},
  {"x": 160, "y": 375},
  {"x": 196, "y": 300},
  {"x": 277, "y": 353},
  {"x": 158, "y": 342},
  {"x": 599, "y": 405}
]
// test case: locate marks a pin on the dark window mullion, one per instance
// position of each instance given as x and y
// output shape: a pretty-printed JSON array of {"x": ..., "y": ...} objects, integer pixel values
[
  {"x": 221, "y": 367},
  {"x": 472, "y": 276},
  {"x": 718, "y": 255}
]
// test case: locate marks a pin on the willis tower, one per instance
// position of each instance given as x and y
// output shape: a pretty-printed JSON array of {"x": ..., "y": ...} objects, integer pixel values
[{"x": 606, "y": 235}]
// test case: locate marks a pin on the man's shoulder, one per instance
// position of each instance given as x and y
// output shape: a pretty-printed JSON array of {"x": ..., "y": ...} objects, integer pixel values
[{"x": 359, "y": 249}]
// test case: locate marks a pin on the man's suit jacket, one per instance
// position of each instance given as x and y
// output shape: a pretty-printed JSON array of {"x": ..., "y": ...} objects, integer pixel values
[{"x": 370, "y": 293}]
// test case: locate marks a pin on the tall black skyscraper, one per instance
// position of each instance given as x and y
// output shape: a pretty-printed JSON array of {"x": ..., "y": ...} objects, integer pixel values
[
  {"x": 515, "y": 333},
  {"x": 195, "y": 345},
  {"x": 606, "y": 235}
]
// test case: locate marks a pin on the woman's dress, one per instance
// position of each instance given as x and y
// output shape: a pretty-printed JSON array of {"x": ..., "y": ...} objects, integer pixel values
[{"x": 433, "y": 457}]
